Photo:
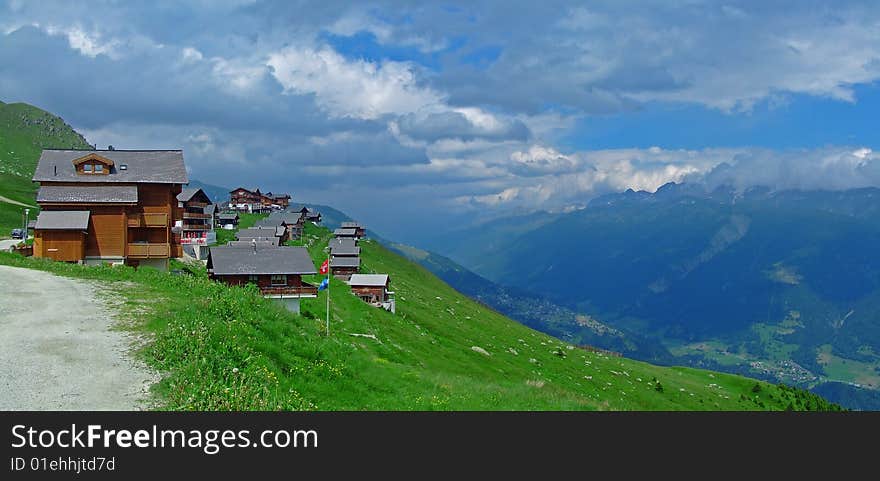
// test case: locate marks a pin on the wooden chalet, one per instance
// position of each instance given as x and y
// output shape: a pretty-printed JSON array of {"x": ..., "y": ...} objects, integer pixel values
[
  {"x": 276, "y": 271},
  {"x": 129, "y": 201},
  {"x": 360, "y": 231},
  {"x": 338, "y": 249},
  {"x": 267, "y": 234},
  {"x": 344, "y": 267},
  {"x": 198, "y": 219},
  {"x": 227, "y": 220},
  {"x": 294, "y": 222},
  {"x": 308, "y": 214},
  {"x": 281, "y": 200},
  {"x": 346, "y": 233},
  {"x": 242, "y": 199},
  {"x": 373, "y": 289}
]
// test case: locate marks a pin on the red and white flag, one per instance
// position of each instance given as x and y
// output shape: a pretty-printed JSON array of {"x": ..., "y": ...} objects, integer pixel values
[{"x": 325, "y": 266}]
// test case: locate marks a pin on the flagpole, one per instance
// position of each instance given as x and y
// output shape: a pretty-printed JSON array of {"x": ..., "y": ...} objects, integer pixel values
[{"x": 328, "y": 293}]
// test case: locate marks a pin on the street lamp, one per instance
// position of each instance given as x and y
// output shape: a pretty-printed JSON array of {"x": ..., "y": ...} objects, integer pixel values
[{"x": 26, "y": 218}]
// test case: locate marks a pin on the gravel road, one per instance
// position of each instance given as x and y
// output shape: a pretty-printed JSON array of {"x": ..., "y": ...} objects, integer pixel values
[
  {"x": 58, "y": 350},
  {"x": 5, "y": 244}
]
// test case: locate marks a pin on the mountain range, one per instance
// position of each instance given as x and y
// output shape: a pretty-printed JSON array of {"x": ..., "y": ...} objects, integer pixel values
[{"x": 781, "y": 285}]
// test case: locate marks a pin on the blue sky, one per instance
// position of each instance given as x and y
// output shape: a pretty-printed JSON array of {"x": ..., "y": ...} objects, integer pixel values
[{"x": 411, "y": 115}]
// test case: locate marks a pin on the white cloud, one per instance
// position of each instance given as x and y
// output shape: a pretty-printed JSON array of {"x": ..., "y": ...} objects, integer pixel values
[
  {"x": 539, "y": 159},
  {"x": 191, "y": 54},
  {"x": 90, "y": 44},
  {"x": 240, "y": 74},
  {"x": 350, "y": 88}
]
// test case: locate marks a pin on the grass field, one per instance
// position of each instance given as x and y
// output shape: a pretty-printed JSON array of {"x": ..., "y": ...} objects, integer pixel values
[
  {"x": 836, "y": 368},
  {"x": 245, "y": 220},
  {"x": 224, "y": 348}
]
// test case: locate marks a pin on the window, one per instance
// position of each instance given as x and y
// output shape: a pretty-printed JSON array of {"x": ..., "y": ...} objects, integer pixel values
[
  {"x": 99, "y": 169},
  {"x": 279, "y": 279},
  {"x": 87, "y": 168},
  {"x": 253, "y": 278}
]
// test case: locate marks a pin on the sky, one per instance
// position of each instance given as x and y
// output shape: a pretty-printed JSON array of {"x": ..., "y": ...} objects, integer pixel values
[{"x": 413, "y": 117}]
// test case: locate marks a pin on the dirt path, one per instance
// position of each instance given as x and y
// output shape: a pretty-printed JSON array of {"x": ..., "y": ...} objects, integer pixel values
[
  {"x": 15, "y": 202},
  {"x": 57, "y": 349}
]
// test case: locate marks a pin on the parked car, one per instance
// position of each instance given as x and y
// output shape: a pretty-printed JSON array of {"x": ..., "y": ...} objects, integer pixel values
[{"x": 17, "y": 233}]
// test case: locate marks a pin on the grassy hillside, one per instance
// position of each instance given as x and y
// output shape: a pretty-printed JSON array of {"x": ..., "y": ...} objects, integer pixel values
[
  {"x": 228, "y": 348},
  {"x": 536, "y": 311},
  {"x": 24, "y": 131}
]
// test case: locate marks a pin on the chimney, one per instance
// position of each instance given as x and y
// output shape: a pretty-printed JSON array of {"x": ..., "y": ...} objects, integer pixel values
[
  {"x": 55, "y": 169},
  {"x": 254, "y": 244}
]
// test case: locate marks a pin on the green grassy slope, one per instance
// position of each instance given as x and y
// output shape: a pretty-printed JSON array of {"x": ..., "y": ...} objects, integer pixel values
[
  {"x": 227, "y": 348},
  {"x": 24, "y": 131}
]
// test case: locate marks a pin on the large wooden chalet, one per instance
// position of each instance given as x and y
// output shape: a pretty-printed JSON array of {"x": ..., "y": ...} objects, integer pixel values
[
  {"x": 198, "y": 218},
  {"x": 255, "y": 201},
  {"x": 276, "y": 271},
  {"x": 109, "y": 206}
]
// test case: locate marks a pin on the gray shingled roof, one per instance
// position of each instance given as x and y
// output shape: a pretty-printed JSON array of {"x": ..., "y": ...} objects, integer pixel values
[
  {"x": 227, "y": 215},
  {"x": 345, "y": 232},
  {"x": 121, "y": 194},
  {"x": 350, "y": 225},
  {"x": 345, "y": 250},
  {"x": 368, "y": 280},
  {"x": 259, "y": 232},
  {"x": 276, "y": 260},
  {"x": 148, "y": 166},
  {"x": 345, "y": 261},
  {"x": 210, "y": 209},
  {"x": 248, "y": 243},
  {"x": 342, "y": 242},
  {"x": 291, "y": 217},
  {"x": 188, "y": 192},
  {"x": 272, "y": 240},
  {"x": 268, "y": 222},
  {"x": 63, "y": 220}
]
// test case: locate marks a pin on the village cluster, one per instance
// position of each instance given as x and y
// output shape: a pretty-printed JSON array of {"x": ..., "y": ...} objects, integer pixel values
[{"x": 127, "y": 207}]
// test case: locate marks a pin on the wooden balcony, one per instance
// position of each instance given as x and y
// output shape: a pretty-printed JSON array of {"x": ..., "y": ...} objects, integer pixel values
[
  {"x": 195, "y": 215},
  {"x": 196, "y": 227},
  {"x": 149, "y": 251},
  {"x": 307, "y": 290},
  {"x": 196, "y": 204},
  {"x": 148, "y": 220}
]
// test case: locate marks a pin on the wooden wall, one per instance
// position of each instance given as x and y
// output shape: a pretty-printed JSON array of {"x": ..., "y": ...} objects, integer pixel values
[
  {"x": 59, "y": 245},
  {"x": 107, "y": 232},
  {"x": 262, "y": 281},
  {"x": 378, "y": 292}
]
